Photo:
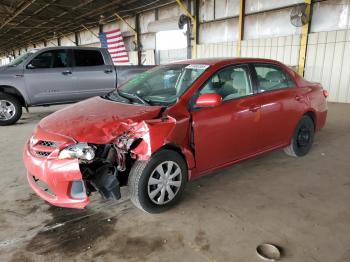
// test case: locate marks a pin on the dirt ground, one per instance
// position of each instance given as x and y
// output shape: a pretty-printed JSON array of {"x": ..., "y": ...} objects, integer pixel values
[{"x": 301, "y": 204}]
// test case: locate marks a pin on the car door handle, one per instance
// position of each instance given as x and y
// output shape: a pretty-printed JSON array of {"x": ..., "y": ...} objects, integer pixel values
[
  {"x": 254, "y": 108},
  {"x": 108, "y": 71},
  {"x": 67, "y": 72}
]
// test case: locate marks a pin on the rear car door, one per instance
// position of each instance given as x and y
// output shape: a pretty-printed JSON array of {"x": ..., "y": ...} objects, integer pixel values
[
  {"x": 228, "y": 132},
  {"x": 94, "y": 75},
  {"x": 48, "y": 77},
  {"x": 281, "y": 105}
]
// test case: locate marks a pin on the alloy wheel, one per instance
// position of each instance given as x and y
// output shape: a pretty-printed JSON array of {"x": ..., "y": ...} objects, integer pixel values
[{"x": 7, "y": 110}]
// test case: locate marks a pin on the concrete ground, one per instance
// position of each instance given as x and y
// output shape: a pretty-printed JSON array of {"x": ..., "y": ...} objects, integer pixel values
[{"x": 300, "y": 204}]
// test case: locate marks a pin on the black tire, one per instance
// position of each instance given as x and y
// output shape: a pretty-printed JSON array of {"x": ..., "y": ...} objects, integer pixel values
[
  {"x": 140, "y": 175},
  {"x": 17, "y": 113},
  {"x": 302, "y": 139}
]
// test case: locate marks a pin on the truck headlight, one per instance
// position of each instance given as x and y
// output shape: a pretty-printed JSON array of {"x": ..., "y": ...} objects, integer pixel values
[{"x": 80, "y": 151}]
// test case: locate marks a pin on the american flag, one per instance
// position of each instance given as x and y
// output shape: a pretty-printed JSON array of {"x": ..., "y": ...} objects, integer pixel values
[{"x": 113, "y": 41}]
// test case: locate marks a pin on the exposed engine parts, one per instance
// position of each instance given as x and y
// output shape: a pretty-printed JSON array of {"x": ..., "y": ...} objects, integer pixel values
[
  {"x": 109, "y": 169},
  {"x": 106, "y": 183}
]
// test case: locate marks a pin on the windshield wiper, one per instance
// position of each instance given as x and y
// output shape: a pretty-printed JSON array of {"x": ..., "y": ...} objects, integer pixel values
[
  {"x": 128, "y": 95},
  {"x": 111, "y": 96}
]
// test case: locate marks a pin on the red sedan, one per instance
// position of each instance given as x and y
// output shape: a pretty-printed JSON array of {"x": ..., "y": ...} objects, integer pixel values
[{"x": 170, "y": 125}]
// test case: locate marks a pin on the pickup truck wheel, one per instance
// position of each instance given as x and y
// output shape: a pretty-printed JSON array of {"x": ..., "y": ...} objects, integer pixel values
[
  {"x": 302, "y": 139},
  {"x": 157, "y": 184},
  {"x": 10, "y": 109}
]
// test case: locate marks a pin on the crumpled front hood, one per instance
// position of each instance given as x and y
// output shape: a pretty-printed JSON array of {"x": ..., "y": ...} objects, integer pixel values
[{"x": 97, "y": 120}]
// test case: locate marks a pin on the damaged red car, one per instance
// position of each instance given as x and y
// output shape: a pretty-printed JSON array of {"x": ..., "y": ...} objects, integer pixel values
[{"x": 169, "y": 125}]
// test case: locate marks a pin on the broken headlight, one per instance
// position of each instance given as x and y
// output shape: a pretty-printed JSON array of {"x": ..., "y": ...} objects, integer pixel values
[{"x": 80, "y": 151}]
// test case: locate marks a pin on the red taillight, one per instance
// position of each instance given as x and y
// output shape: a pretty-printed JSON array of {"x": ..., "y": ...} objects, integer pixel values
[{"x": 325, "y": 93}]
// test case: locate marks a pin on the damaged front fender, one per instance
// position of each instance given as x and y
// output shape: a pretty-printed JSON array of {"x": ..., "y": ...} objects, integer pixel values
[{"x": 143, "y": 139}]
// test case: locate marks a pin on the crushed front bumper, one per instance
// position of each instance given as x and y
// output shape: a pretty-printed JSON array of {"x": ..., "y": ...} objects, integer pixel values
[{"x": 55, "y": 180}]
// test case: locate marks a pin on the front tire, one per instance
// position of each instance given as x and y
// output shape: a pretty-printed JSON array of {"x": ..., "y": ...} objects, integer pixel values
[
  {"x": 302, "y": 139},
  {"x": 10, "y": 109},
  {"x": 156, "y": 185}
]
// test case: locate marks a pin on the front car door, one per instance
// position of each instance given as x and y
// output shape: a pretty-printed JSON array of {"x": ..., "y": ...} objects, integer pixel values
[
  {"x": 280, "y": 108},
  {"x": 228, "y": 132},
  {"x": 94, "y": 75},
  {"x": 48, "y": 77}
]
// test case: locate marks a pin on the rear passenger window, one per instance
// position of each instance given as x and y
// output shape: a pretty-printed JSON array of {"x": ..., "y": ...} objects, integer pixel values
[
  {"x": 272, "y": 77},
  {"x": 88, "y": 58}
]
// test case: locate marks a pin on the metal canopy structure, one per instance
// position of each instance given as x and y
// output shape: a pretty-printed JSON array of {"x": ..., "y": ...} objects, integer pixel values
[{"x": 30, "y": 21}]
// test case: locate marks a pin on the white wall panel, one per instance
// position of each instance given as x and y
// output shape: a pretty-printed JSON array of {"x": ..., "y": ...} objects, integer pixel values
[
  {"x": 227, "y": 49},
  {"x": 206, "y": 10},
  {"x": 148, "y": 57},
  {"x": 168, "y": 56},
  {"x": 145, "y": 19},
  {"x": 328, "y": 62},
  {"x": 86, "y": 37},
  {"x": 148, "y": 41},
  {"x": 171, "y": 23},
  {"x": 227, "y": 8},
  {"x": 132, "y": 57},
  {"x": 97, "y": 44},
  {"x": 219, "y": 31},
  {"x": 68, "y": 40},
  {"x": 254, "y": 6},
  {"x": 269, "y": 24},
  {"x": 169, "y": 11},
  {"x": 330, "y": 15},
  {"x": 283, "y": 48}
]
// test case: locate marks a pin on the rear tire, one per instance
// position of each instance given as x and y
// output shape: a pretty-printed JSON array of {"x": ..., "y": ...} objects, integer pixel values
[
  {"x": 156, "y": 185},
  {"x": 10, "y": 109},
  {"x": 302, "y": 139}
]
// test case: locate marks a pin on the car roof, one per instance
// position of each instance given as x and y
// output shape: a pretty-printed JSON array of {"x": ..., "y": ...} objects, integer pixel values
[{"x": 226, "y": 60}]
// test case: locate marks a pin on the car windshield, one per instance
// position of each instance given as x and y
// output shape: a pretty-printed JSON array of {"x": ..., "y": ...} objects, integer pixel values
[
  {"x": 21, "y": 58},
  {"x": 162, "y": 85}
]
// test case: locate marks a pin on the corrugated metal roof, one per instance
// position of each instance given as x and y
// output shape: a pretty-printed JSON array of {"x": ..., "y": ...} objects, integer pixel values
[{"x": 30, "y": 21}]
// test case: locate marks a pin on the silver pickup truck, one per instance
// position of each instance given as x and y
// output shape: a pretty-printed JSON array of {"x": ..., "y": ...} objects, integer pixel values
[{"x": 57, "y": 75}]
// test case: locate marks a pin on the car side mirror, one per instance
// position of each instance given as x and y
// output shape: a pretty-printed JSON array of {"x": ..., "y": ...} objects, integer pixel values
[{"x": 209, "y": 100}]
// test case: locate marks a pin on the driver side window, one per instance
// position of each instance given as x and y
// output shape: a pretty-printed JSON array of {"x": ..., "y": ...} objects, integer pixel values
[
  {"x": 49, "y": 59},
  {"x": 230, "y": 83}
]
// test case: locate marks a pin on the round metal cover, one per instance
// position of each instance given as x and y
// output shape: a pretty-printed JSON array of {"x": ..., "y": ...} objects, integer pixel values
[{"x": 268, "y": 252}]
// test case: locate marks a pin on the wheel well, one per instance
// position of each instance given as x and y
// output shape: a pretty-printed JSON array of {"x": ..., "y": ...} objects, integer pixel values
[
  {"x": 175, "y": 148},
  {"x": 13, "y": 91},
  {"x": 312, "y": 115}
]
